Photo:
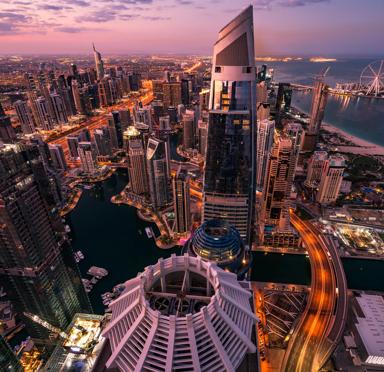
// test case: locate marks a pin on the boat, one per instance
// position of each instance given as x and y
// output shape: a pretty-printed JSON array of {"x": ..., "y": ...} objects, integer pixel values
[
  {"x": 78, "y": 256},
  {"x": 149, "y": 232}
]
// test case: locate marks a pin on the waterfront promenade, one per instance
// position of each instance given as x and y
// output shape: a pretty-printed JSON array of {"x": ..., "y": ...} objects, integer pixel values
[{"x": 146, "y": 212}]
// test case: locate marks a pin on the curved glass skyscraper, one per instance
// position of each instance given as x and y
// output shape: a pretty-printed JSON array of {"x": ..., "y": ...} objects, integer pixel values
[{"x": 229, "y": 181}]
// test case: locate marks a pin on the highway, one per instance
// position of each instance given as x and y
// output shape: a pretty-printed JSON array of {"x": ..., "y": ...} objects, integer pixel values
[
  {"x": 311, "y": 343},
  {"x": 98, "y": 121}
]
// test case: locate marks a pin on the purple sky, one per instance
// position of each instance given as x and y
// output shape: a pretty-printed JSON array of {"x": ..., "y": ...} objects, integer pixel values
[{"x": 296, "y": 27}]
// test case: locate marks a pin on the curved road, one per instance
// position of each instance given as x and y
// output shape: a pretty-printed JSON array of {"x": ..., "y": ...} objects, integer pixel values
[{"x": 310, "y": 346}]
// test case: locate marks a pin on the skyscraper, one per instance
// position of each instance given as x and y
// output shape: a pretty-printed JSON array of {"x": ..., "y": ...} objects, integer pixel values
[
  {"x": 87, "y": 157},
  {"x": 143, "y": 115},
  {"x": 277, "y": 188},
  {"x": 331, "y": 179},
  {"x": 202, "y": 127},
  {"x": 284, "y": 97},
  {"x": 157, "y": 172},
  {"x": 229, "y": 179},
  {"x": 8, "y": 361},
  {"x": 58, "y": 157},
  {"x": 185, "y": 91},
  {"x": 25, "y": 117},
  {"x": 137, "y": 169},
  {"x": 171, "y": 94},
  {"x": 296, "y": 133},
  {"x": 73, "y": 144},
  {"x": 181, "y": 201},
  {"x": 125, "y": 118},
  {"x": 204, "y": 100},
  {"x": 45, "y": 118},
  {"x": 263, "y": 111},
  {"x": 37, "y": 266},
  {"x": 189, "y": 130},
  {"x": 7, "y": 133},
  {"x": 58, "y": 107},
  {"x": 319, "y": 101},
  {"x": 78, "y": 98},
  {"x": 98, "y": 63},
  {"x": 103, "y": 141},
  {"x": 265, "y": 135},
  {"x": 119, "y": 130},
  {"x": 315, "y": 168}
]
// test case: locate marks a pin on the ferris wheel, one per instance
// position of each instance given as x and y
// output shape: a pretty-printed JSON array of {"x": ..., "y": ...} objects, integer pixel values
[{"x": 372, "y": 78}]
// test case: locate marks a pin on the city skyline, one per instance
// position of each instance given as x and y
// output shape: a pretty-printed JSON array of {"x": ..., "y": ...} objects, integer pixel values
[{"x": 33, "y": 27}]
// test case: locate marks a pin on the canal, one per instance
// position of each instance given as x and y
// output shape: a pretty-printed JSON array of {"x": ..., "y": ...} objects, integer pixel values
[{"x": 113, "y": 237}]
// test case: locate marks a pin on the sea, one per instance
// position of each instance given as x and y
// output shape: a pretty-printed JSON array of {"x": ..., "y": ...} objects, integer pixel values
[{"x": 359, "y": 116}]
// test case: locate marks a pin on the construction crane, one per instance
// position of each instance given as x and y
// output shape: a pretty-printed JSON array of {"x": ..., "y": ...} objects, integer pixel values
[{"x": 323, "y": 73}]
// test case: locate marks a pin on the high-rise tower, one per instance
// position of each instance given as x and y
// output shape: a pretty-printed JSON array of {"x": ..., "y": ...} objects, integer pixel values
[
  {"x": 157, "y": 172},
  {"x": 229, "y": 179},
  {"x": 24, "y": 114},
  {"x": 99, "y": 63},
  {"x": 87, "y": 156},
  {"x": 37, "y": 266},
  {"x": 265, "y": 134},
  {"x": 7, "y": 133},
  {"x": 319, "y": 101},
  {"x": 181, "y": 201},
  {"x": 8, "y": 361},
  {"x": 331, "y": 179},
  {"x": 137, "y": 169}
]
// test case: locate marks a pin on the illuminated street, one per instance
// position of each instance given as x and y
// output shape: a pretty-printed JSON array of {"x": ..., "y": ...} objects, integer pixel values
[{"x": 308, "y": 343}]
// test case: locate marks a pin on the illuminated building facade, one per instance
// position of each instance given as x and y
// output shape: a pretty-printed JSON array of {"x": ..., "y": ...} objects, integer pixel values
[
  {"x": 229, "y": 179},
  {"x": 137, "y": 168},
  {"x": 171, "y": 94},
  {"x": 37, "y": 267},
  {"x": 98, "y": 63},
  {"x": 331, "y": 179},
  {"x": 58, "y": 157},
  {"x": 315, "y": 168},
  {"x": 189, "y": 130},
  {"x": 24, "y": 115},
  {"x": 318, "y": 104},
  {"x": 87, "y": 157},
  {"x": 181, "y": 201},
  {"x": 157, "y": 172},
  {"x": 265, "y": 135}
]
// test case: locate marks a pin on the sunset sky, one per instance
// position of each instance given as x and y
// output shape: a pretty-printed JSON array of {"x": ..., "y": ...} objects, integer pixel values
[{"x": 295, "y": 27}]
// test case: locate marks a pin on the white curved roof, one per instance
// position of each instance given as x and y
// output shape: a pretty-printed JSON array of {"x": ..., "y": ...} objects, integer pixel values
[{"x": 215, "y": 337}]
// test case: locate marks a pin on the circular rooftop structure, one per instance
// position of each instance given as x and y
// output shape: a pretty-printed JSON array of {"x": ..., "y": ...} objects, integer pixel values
[
  {"x": 182, "y": 313},
  {"x": 217, "y": 241}
]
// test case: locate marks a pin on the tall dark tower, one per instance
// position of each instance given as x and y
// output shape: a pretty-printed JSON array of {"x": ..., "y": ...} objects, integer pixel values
[
  {"x": 8, "y": 361},
  {"x": 37, "y": 267},
  {"x": 99, "y": 63},
  {"x": 319, "y": 102},
  {"x": 229, "y": 180},
  {"x": 7, "y": 133}
]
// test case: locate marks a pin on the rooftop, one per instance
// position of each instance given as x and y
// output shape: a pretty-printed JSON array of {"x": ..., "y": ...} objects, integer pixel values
[
  {"x": 181, "y": 313},
  {"x": 371, "y": 326}
]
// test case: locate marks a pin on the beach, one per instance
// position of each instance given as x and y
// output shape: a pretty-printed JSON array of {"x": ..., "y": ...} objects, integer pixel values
[{"x": 361, "y": 147}]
